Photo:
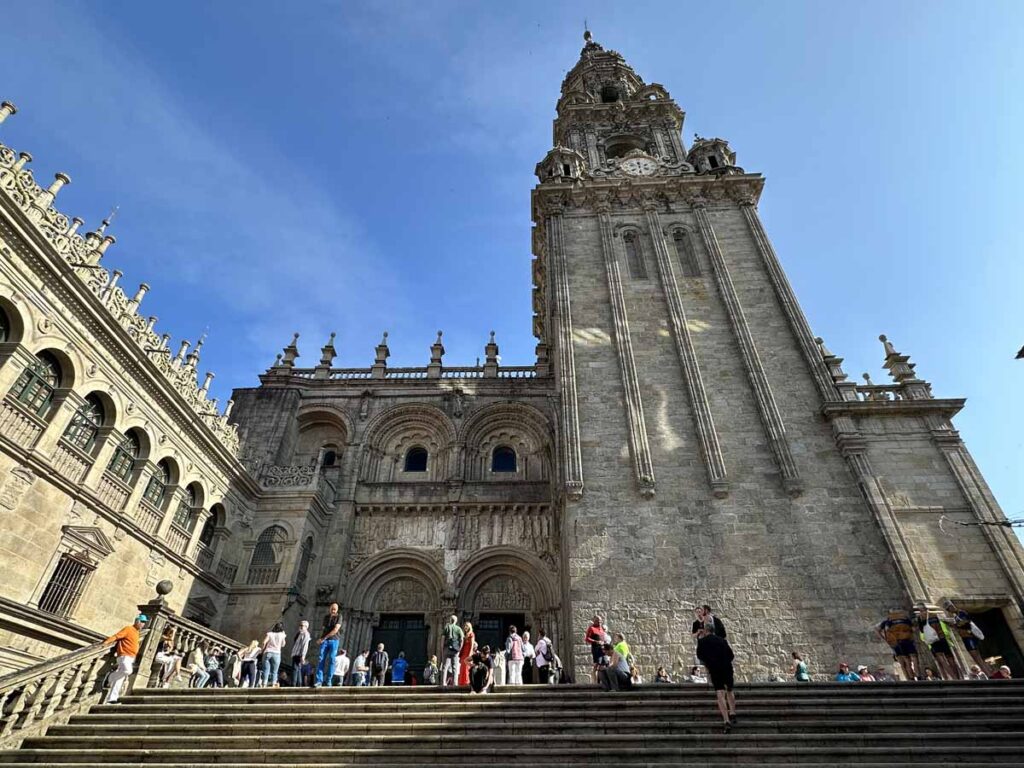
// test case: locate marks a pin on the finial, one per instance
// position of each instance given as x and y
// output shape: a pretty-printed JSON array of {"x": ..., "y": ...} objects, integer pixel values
[
  {"x": 492, "y": 337},
  {"x": 151, "y": 323},
  {"x": 290, "y": 352},
  {"x": 228, "y": 407},
  {"x": 141, "y": 293},
  {"x": 74, "y": 225},
  {"x": 206, "y": 384},
  {"x": 439, "y": 334},
  {"x": 867, "y": 379},
  {"x": 181, "y": 351},
  {"x": 6, "y": 110},
  {"x": 821, "y": 347},
  {"x": 106, "y": 221},
  {"x": 327, "y": 355},
  {"x": 887, "y": 345},
  {"x": 202, "y": 339},
  {"x": 384, "y": 338},
  {"x": 23, "y": 158}
]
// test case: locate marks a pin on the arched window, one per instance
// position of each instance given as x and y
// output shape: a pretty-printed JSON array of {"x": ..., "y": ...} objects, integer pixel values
[
  {"x": 265, "y": 565},
  {"x": 634, "y": 256},
  {"x": 184, "y": 515},
  {"x": 609, "y": 94},
  {"x": 156, "y": 488},
  {"x": 37, "y": 383},
  {"x": 416, "y": 460},
  {"x": 125, "y": 455},
  {"x": 685, "y": 254},
  {"x": 209, "y": 528},
  {"x": 330, "y": 457},
  {"x": 5, "y": 326},
  {"x": 304, "y": 560},
  {"x": 85, "y": 424},
  {"x": 503, "y": 459}
]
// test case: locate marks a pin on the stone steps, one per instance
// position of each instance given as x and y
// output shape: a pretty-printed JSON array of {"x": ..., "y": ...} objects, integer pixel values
[{"x": 909, "y": 724}]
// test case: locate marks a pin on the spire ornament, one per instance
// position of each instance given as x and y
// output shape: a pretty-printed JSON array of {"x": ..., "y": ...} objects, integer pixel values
[
  {"x": 380, "y": 362},
  {"x": 902, "y": 372},
  {"x": 327, "y": 355}
]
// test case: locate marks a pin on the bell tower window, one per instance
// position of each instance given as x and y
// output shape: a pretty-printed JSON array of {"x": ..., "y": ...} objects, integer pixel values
[
  {"x": 416, "y": 460},
  {"x": 609, "y": 94},
  {"x": 634, "y": 256},
  {"x": 685, "y": 253}
]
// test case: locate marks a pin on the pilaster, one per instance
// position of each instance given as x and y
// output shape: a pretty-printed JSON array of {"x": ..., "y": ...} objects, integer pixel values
[
  {"x": 642, "y": 464},
  {"x": 704, "y": 421},
  {"x": 766, "y": 405},
  {"x": 572, "y": 459}
]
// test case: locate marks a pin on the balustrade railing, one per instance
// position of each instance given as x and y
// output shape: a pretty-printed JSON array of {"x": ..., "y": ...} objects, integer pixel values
[
  {"x": 880, "y": 392},
  {"x": 113, "y": 492},
  {"x": 177, "y": 539},
  {"x": 18, "y": 424},
  {"x": 226, "y": 572},
  {"x": 71, "y": 462},
  {"x": 148, "y": 517},
  {"x": 263, "y": 574},
  {"x": 204, "y": 557},
  {"x": 43, "y": 691}
]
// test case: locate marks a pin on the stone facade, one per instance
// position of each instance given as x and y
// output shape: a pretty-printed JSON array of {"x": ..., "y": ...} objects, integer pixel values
[{"x": 681, "y": 438}]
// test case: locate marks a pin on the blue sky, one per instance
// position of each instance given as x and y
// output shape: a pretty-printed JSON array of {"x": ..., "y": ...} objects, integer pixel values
[{"x": 366, "y": 166}]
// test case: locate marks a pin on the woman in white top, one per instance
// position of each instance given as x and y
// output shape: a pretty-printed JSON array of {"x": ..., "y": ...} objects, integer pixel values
[
  {"x": 248, "y": 657},
  {"x": 272, "y": 645},
  {"x": 529, "y": 652}
]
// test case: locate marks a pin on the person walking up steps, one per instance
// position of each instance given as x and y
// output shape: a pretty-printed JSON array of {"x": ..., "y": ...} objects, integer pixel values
[
  {"x": 300, "y": 648},
  {"x": 272, "y": 645},
  {"x": 328, "y": 646},
  {"x": 126, "y": 648},
  {"x": 380, "y": 662},
  {"x": 897, "y": 630},
  {"x": 969, "y": 632},
  {"x": 717, "y": 657},
  {"x": 452, "y": 637}
]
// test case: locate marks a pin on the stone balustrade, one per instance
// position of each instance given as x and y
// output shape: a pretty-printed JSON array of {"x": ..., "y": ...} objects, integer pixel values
[
  {"x": 113, "y": 492},
  {"x": 148, "y": 517},
  {"x": 18, "y": 424},
  {"x": 71, "y": 462}
]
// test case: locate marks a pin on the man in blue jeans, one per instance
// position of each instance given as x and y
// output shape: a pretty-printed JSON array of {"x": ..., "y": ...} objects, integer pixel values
[{"x": 328, "y": 647}]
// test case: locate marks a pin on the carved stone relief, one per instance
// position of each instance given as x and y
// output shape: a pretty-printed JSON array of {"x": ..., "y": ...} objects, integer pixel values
[
  {"x": 503, "y": 593},
  {"x": 14, "y": 488},
  {"x": 402, "y": 595}
]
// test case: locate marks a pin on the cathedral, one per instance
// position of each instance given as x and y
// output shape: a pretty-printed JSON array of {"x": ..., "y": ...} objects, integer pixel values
[{"x": 681, "y": 438}]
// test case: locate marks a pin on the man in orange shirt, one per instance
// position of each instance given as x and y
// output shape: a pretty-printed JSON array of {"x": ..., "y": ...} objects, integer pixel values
[{"x": 126, "y": 648}]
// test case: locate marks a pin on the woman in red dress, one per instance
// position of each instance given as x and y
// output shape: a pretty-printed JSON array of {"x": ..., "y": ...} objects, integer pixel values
[{"x": 467, "y": 650}]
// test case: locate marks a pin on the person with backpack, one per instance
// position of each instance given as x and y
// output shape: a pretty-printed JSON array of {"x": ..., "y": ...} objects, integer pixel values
[
  {"x": 514, "y": 654},
  {"x": 379, "y": 664},
  {"x": 398, "y": 669},
  {"x": 544, "y": 659},
  {"x": 452, "y": 638}
]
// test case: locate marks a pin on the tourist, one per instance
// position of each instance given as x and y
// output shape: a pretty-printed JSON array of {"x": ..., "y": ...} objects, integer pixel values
[
  {"x": 248, "y": 656},
  {"x": 273, "y": 642},
  {"x": 798, "y": 669},
  {"x": 696, "y": 676},
  {"x": 976, "y": 673},
  {"x": 844, "y": 675},
  {"x": 214, "y": 671},
  {"x": 168, "y": 659},
  {"x": 897, "y": 630},
  {"x": 380, "y": 662},
  {"x": 398, "y": 669},
  {"x": 703, "y": 616},
  {"x": 328, "y": 643},
  {"x": 529, "y": 653},
  {"x": 635, "y": 676},
  {"x": 929, "y": 675},
  {"x": 595, "y": 637},
  {"x": 481, "y": 676},
  {"x": 882, "y": 675},
  {"x": 126, "y": 648},
  {"x": 453, "y": 637},
  {"x": 717, "y": 657},
  {"x": 544, "y": 656},
  {"x": 865, "y": 674},
  {"x": 969, "y": 632},
  {"x": 933, "y": 632},
  {"x": 661, "y": 675},
  {"x": 498, "y": 662},
  {"x": 197, "y": 666},
  {"x": 466, "y": 652},
  {"x": 341, "y": 664},
  {"x": 616, "y": 676},
  {"x": 300, "y": 648},
  {"x": 1003, "y": 673},
  {"x": 514, "y": 654},
  {"x": 360, "y": 669},
  {"x": 431, "y": 674}
]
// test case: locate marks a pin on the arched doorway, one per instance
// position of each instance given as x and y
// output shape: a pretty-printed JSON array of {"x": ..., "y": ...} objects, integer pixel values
[
  {"x": 395, "y": 598},
  {"x": 503, "y": 586}
]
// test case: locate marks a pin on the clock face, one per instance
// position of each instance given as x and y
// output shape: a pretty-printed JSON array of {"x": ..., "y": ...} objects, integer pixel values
[{"x": 639, "y": 166}]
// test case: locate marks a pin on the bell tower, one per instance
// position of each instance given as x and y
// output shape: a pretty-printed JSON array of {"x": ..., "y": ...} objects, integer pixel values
[{"x": 689, "y": 383}]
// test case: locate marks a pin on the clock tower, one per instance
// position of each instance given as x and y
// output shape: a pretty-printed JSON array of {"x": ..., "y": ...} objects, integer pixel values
[{"x": 694, "y": 463}]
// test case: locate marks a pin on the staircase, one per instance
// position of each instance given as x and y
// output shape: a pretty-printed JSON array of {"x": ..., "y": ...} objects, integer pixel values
[{"x": 817, "y": 724}]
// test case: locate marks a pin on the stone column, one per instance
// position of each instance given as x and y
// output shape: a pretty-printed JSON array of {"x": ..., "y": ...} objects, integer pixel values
[
  {"x": 643, "y": 466},
  {"x": 202, "y": 515},
  {"x": 158, "y": 613},
  {"x": 14, "y": 358},
  {"x": 172, "y": 498},
  {"x": 771, "y": 418},
  {"x": 572, "y": 460},
  {"x": 66, "y": 402},
  {"x": 145, "y": 471},
  {"x": 704, "y": 422},
  {"x": 109, "y": 439}
]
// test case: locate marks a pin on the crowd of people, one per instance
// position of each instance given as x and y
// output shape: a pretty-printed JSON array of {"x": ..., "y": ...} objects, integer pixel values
[{"x": 521, "y": 661}]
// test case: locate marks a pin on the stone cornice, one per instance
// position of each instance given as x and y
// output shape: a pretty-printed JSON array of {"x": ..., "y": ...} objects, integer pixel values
[
  {"x": 947, "y": 408},
  {"x": 632, "y": 193}
]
